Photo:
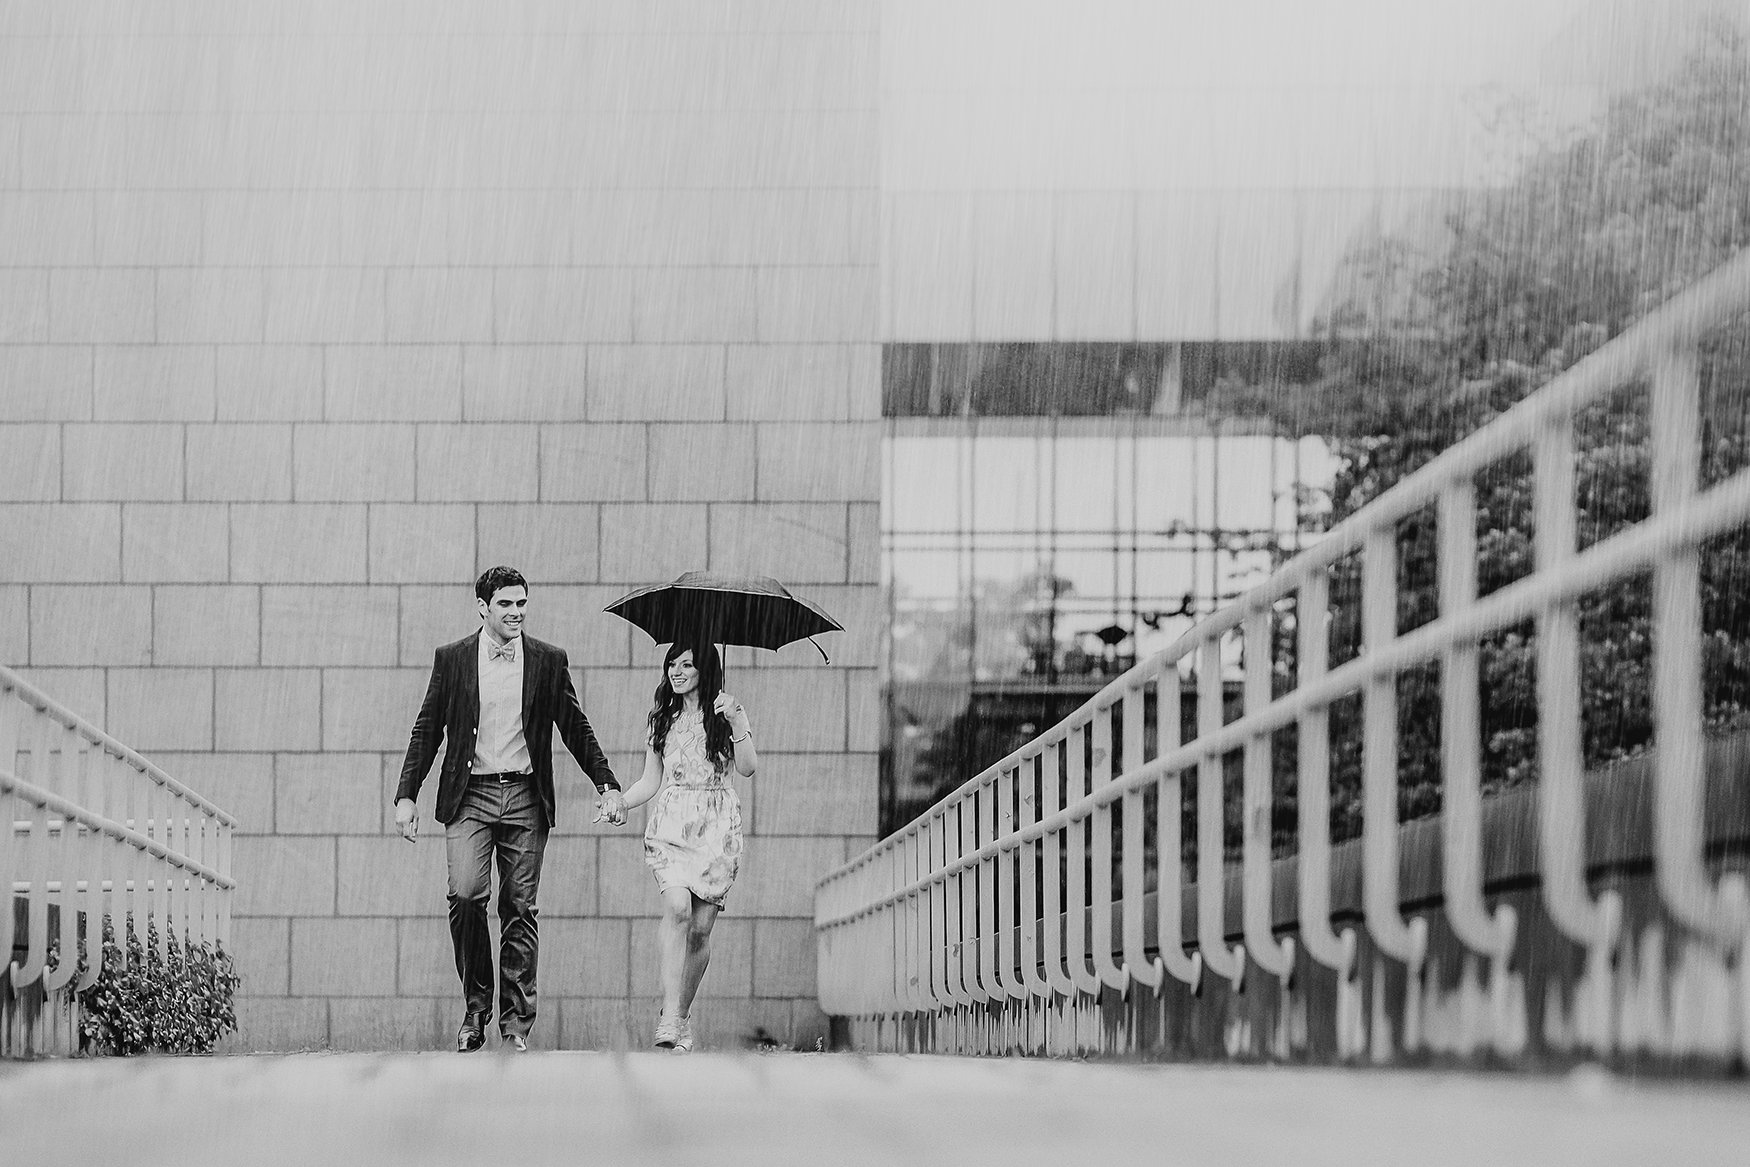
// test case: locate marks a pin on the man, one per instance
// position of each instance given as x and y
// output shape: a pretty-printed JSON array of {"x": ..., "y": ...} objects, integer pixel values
[{"x": 496, "y": 696}]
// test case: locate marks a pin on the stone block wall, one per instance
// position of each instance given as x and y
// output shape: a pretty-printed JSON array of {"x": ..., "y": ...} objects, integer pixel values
[{"x": 310, "y": 312}]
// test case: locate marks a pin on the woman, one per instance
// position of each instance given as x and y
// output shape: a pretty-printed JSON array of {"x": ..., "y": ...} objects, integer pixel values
[{"x": 692, "y": 839}]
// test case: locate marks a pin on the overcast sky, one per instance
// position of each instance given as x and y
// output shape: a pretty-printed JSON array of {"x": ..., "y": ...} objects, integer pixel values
[{"x": 1248, "y": 93}]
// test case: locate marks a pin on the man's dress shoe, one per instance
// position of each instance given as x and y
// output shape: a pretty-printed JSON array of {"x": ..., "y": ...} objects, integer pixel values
[
  {"x": 472, "y": 1035},
  {"x": 516, "y": 1043}
]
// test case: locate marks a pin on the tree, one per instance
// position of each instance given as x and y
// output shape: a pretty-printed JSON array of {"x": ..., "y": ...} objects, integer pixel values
[{"x": 1592, "y": 234}]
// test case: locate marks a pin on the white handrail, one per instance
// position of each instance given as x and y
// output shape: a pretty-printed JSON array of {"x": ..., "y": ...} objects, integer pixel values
[
  {"x": 937, "y": 903},
  {"x": 31, "y": 695},
  {"x": 91, "y": 831},
  {"x": 1636, "y": 548}
]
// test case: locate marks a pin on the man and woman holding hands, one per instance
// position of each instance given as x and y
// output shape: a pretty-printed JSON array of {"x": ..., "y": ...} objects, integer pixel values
[{"x": 494, "y": 700}]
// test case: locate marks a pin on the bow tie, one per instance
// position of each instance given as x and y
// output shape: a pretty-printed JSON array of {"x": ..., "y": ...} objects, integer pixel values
[{"x": 507, "y": 650}]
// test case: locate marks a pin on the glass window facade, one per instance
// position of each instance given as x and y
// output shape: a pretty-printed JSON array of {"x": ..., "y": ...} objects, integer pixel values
[
  {"x": 1030, "y": 558},
  {"x": 1081, "y": 380}
]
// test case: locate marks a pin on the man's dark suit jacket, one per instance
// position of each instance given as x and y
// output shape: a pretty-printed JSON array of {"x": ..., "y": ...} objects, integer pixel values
[{"x": 451, "y": 711}]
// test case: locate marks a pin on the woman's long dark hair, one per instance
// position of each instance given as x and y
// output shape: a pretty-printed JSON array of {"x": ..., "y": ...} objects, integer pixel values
[{"x": 668, "y": 703}]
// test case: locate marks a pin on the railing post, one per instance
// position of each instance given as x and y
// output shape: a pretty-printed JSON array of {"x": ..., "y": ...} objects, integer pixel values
[
  {"x": 1380, "y": 753},
  {"x": 1561, "y": 754},
  {"x": 1461, "y": 818},
  {"x": 177, "y": 912},
  {"x": 896, "y": 991},
  {"x": 200, "y": 913},
  {"x": 121, "y": 893},
  {"x": 924, "y": 989},
  {"x": 1379, "y": 761},
  {"x": 948, "y": 931},
  {"x": 904, "y": 932},
  {"x": 954, "y": 926},
  {"x": 929, "y": 917},
  {"x": 11, "y": 863},
  {"x": 93, "y": 862},
  {"x": 139, "y": 898},
  {"x": 972, "y": 883},
  {"x": 1008, "y": 822},
  {"x": 1169, "y": 841},
  {"x": 65, "y": 870},
  {"x": 838, "y": 985},
  {"x": 891, "y": 863},
  {"x": 162, "y": 801},
  {"x": 1313, "y": 787},
  {"x": 1028, "y": 859},
  {"x": 1138, "y": 966},
  {"x": 1274, "y": 956},
  {"x": 1105, "y": 968},
  {"x": 36, "y": 862},
  {"x": 1683, "y": 881},
  {"x": 1076, "y": 905},
  {"x": 989, "y": 872},
  {"x": 877, "y": 982},
  {"x": 860, "y": 961},
  {"x": 1228, "y": 964},
  {"x": 1051, "y": 801},
  {"x": 951, "y": 935},
  {"x": 223, "y": 924}
]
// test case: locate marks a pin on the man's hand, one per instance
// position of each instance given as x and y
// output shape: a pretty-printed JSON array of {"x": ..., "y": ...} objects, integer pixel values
[
  {"x": 407, "y": 819},
  {"x": 610, "y": 805}
]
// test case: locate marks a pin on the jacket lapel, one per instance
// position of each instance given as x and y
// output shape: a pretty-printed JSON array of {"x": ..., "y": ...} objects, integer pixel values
[
  {"x": 468, "y": 680},
  {"x": 531, "y": 682}
]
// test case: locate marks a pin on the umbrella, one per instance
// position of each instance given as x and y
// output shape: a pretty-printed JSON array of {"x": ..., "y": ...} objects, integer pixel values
[{"x": 749, "y": 609}]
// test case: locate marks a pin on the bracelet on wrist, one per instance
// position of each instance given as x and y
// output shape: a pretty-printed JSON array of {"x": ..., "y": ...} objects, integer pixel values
[{"x": 744, "y": 737}]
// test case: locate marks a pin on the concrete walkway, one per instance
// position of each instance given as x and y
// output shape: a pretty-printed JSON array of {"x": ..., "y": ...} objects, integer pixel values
[{"x": 721, "y": 1109}]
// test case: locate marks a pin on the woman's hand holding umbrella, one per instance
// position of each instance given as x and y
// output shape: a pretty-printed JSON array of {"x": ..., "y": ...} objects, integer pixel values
[{"x": 730, "y": 710}]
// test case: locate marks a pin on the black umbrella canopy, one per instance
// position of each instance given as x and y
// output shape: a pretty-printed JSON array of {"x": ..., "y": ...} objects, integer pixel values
[{"x": 749, "y": 609}]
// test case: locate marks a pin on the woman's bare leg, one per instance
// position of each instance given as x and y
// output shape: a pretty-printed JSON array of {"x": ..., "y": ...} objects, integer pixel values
[
  {"x": 703, "y": 917},
  {"x": 672, "y": 935}
]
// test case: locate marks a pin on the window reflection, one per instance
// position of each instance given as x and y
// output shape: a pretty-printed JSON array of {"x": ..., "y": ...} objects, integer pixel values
[
  {"x": 1081, "y": 380},
  {"x": 1029, "y": 560}
]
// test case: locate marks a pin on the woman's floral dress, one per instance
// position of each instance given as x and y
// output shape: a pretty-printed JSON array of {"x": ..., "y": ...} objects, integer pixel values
[{"x": 693, "y": 836}]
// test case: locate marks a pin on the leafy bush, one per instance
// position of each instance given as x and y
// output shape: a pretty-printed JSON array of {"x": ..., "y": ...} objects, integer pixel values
[{"x": 179, "y": 1005}]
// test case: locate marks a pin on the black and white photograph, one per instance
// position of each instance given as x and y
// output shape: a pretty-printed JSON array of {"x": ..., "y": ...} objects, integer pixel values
[{"x": 875, "y": 582}]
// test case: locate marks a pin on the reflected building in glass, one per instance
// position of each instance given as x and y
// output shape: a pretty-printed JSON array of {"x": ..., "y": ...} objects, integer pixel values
[{"x": 1051, "y": 514}]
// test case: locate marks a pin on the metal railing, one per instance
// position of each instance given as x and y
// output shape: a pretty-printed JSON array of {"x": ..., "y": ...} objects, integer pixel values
[
  {"x": 94, "y": 835},
  {"x": 975, "y": 928}
]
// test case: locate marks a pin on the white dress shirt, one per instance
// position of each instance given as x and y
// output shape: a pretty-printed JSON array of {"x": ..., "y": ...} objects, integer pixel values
[{"x": 499, "y": 744}]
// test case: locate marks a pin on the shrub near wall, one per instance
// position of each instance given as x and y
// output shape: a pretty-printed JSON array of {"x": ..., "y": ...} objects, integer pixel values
[{"x": 180, "y": 1004}]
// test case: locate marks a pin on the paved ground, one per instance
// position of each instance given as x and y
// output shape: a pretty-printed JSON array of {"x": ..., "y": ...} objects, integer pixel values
[{"x": 720, "y": 1109}]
